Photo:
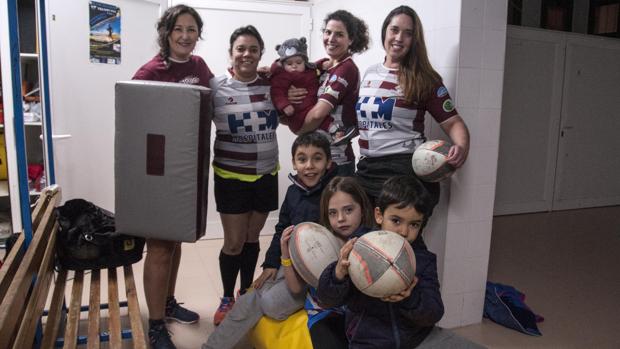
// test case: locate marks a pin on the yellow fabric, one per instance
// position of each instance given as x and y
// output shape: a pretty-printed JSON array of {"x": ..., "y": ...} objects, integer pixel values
[
  {"x": 286, "y": 262},
  {"x": 3, "y": 168},
  {"x": 239, "y": 176},
  {"x": 291, "y": 333}
]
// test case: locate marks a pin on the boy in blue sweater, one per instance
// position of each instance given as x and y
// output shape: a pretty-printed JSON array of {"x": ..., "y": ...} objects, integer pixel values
[{"x": 270, "y": 296}]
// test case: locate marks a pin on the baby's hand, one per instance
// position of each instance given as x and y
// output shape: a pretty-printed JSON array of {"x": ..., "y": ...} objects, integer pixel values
[
  {"x": 289, "y": 110},
  {"x": 286, "y": 236},
  {"x": 342, "y": 267},
  {"x": 403, "y": 294}
]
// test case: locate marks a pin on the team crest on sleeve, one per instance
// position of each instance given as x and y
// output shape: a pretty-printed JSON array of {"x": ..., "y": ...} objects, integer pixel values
[
  {"x": 448, "y": 106},
  {"x": 333, "y": 78},
  {"x": 442, "y": 91},
  {"x": 330, "y": 91}
]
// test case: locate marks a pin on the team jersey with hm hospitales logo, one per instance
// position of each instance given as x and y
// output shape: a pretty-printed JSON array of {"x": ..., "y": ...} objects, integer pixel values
[{"x": 386, "y": 122}]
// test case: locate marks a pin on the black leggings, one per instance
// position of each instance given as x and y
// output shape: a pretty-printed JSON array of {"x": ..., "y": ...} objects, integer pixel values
[{"x": 373, "y": 172}]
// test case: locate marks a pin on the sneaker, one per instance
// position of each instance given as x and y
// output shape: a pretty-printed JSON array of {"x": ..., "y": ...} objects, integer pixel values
[
  {"x": 174, "y": 311},
  {"x": 347, "y": 135},
  {"x": 225, "y": 305},
  {"x": 159, "y": 337}
]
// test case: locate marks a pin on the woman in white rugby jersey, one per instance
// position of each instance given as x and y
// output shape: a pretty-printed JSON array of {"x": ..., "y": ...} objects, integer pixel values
[
  {"x": 393, "y": 99},
  {"x": 245, "y": 162}
]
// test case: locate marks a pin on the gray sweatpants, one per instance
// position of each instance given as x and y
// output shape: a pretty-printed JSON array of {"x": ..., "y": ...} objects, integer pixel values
[{"x": 273, "y": 300}]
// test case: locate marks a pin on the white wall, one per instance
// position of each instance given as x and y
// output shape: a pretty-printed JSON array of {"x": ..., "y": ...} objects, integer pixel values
[
  {"x": 82, "y": 93},
  {"x": 472, "y": 191}
]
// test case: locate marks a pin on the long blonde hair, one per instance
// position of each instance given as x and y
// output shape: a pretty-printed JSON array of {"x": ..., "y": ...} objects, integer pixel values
[{"x": 416, "y": 75}]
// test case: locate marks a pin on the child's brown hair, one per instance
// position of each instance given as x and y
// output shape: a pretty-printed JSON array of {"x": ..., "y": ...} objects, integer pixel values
[{"x": 350, "y": 186}]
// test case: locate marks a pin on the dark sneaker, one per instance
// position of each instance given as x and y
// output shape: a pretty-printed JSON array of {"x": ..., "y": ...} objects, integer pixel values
[
  {"x": 225, "y": 305},
  {"x": 159, "y": 337},
  {"x": 174, "y": 311},
  {"x": 345, "y": 136}
]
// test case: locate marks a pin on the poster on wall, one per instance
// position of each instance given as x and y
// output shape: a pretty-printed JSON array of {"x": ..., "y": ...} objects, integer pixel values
[{"x": 105, "y": 33}]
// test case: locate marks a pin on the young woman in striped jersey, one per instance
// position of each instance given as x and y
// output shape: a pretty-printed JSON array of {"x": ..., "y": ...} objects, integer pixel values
[
  {"x": 245, "y": 162},
  {"x": 393, "y": 99}
]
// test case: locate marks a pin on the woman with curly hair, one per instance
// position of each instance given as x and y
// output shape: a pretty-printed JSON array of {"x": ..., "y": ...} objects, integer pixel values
[
  {"x": 343, "y": 35},
  {"x": 179, "y": 28}
]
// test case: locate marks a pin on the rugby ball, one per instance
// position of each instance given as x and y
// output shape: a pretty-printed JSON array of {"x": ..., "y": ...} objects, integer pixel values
[
  {"x": 429, "y": 161},
  {"x": 382, "y": 263},
  {"x": 312, "y": 248}
]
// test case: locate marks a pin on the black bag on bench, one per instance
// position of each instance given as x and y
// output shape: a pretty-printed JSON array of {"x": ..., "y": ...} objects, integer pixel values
[{"x": 87, "y": 238}]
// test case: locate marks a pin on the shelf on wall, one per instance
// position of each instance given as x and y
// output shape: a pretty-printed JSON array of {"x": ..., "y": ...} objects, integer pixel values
[
  {"x": 29, "y": 55},
  {"x": 29, "y": 123}
]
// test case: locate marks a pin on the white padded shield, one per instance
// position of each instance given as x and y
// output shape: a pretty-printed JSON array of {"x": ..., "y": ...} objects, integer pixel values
[{"x": 161, "y": 151}]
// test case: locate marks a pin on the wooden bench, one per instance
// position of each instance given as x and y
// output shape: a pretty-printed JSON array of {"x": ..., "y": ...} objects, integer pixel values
[{"x": 26, "y": 279}]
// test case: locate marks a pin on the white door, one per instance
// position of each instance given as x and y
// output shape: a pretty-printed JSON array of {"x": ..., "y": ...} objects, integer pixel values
[
  {"x": 275, "y": 22},
  {"x": 82, "y": 93}
]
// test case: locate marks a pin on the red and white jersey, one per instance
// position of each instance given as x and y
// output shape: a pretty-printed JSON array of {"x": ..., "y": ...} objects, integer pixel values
[
  {"x": 338, "y": 87},
  {"x": 386, "y": 122},
  {"x": 246, "y": 122},
  {"x": 192, "y": 72}
]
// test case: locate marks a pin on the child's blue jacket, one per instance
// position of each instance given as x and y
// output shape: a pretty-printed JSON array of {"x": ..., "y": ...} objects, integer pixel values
[
  {"x": 300, "y": 204},
  {"x": 372, "y": 323}
]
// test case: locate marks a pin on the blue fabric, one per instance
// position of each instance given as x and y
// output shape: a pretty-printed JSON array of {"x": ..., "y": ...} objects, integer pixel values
[{"x": 504, "y": 305}]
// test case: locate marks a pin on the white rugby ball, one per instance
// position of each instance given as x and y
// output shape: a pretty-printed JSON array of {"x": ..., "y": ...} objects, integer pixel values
[
  {"x": 429, "y": 161},
  {"x": 382, "y": 263},
  {"x": 312, "y": 248}
]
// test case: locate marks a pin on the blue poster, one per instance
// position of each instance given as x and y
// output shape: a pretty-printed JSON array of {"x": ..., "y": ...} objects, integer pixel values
[{"x": 105, "y": 33}]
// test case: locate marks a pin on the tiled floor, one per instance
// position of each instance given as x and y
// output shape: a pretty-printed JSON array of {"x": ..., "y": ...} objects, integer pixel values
[{"x": 565, "y": 262}]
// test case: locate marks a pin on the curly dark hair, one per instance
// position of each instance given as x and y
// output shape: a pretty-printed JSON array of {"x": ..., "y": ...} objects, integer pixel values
[
  {"x": 403, "y": 191},
  {"x": 356, "y": 29},
  {"x": 166, "y": 23},
  {"x": 247, "y": 30}
]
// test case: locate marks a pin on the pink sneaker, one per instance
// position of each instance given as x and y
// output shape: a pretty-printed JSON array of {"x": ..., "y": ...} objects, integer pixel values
[{"x": 226, "y": 304}]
